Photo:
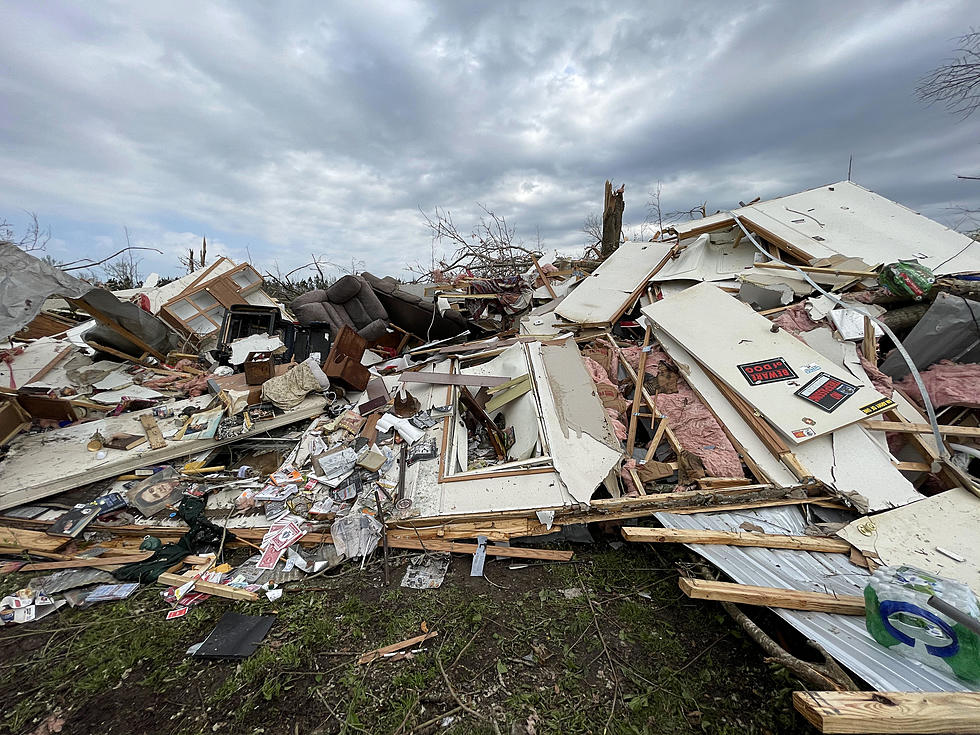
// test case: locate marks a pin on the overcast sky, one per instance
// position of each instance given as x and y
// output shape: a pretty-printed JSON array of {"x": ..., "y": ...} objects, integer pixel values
[{"x": 285, "y": 129}]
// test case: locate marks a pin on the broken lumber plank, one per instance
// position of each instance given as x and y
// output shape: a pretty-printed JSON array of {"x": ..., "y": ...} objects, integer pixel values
[
  {"x": 544, "y": 277},
  {"x": 153, "y": 433},
  {"x": 513, "y": 551},
  {"x": 913, "y": 466},
  {"x": 453, "y": 379},
  {"x": 716, "y": 499},
  {"x": 218, "y": 590},
  {"x": 704, "y": 589},
  {"x": 637, "y": 393},
  {"x": 509, "y": 384},
  {"x": 890, "y": 712},
  {"x": 21, "y": 539},
  {"x": 904, "y": 428},
  {"x": 377, "y": 653},
  {"x": 734, "y": 538},
  {"x": 100, "y": 561},
  {"x": 511, "y": 394}
]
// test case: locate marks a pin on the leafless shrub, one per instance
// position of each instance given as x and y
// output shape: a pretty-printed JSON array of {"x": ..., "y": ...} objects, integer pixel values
[
  {"x": 33, "y": 238},
  {"x": 491, "y": 249},
  {"x": 956, "y": 84}
]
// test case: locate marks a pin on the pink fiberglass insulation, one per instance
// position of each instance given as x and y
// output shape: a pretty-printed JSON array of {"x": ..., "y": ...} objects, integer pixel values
[
  {"x": 796, "y": 319},
  {"x": 881, "y": 382},
  {"x": 948, "y": 383},
  {"x": 693, "y": 424}
]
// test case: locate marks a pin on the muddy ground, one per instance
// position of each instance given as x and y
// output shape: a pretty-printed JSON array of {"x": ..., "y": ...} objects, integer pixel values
[{"x": 606, "y": 643}]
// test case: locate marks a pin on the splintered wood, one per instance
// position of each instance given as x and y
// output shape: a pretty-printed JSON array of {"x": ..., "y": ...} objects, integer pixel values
[
  {"x": 387, "y": 651},
  {"x": 891, "y": 712},
  {"x": 735, "y": 538},
  {"x": 703, "y": 589}
]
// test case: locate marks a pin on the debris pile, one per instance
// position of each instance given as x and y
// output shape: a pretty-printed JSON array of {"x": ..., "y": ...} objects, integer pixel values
[{"x": 790, "y": 388}]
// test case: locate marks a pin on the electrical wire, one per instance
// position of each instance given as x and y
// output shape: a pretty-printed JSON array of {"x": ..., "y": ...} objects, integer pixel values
[{"x": 930, "y": 411}]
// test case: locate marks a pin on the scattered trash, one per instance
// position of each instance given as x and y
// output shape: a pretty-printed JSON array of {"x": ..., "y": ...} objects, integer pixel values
[{"x": 426, "y": 571}]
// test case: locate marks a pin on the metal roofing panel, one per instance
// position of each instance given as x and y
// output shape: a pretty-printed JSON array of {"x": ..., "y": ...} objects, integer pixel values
[{"x": 843, "y": 636}]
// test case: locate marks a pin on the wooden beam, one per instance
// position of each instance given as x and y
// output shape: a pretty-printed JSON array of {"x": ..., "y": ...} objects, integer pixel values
[
  {"x": 218, "y": 590},
  {"x": 734, "y": 538},
  {"x": 703, "y": 589},
  {"x": 651, "y": 404},
  {"x": 547, "y": 283},
  {"x": 972, "y": 432},
  {"x": 505, "y": 397},
  {"x": 891, "y": 712},
  {"x": 454, "y": 546},
  {"x": 912, "y": 466},
  {"x": 637, "y": 394}
]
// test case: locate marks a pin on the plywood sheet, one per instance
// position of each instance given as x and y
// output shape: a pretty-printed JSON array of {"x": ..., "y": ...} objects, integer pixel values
[
  {"x": 913, "y": 534},
  {"x": 847, "y": 219},
  {"x": 598, "y": 298},
  {"x": 705, "y": 260},
  {"x": 722, "y": 333},
  {"x": 746, "y": 437}
]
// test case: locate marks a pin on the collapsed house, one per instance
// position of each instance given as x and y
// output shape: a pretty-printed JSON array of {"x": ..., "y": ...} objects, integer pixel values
[{"x": 724, "y": 380}]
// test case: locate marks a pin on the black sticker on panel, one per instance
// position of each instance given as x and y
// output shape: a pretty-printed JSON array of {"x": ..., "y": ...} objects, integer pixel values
[
  {"x": 766, "y": 371},
  {"x": 826, "y": 392}
]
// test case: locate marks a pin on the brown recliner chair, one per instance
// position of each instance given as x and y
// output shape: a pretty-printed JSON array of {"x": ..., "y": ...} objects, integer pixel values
[
  {"x": 413, "y": 313},
  {"x": 349, "y": 302}
]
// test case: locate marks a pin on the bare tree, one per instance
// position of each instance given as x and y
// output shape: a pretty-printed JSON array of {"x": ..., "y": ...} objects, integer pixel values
[
  {"x": 593, "y": 228},
  {"x": 956, "y": 84},
  {"x": 32, "y": 239},
  {"x": 491, "y": 248},
  {"x": 125, "y": 272},
  {"x": 190, "y": 262},
  {"x": 663, "y": 220}
]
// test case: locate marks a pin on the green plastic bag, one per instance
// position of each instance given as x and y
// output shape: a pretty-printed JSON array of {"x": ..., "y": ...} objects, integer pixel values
[{"x": 909, "y": 279}]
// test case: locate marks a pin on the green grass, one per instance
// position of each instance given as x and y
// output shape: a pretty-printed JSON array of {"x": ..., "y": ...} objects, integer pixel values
[{"x": 516, "y": 650}]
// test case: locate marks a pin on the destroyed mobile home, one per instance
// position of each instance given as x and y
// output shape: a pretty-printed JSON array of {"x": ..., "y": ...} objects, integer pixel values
[{"x": 790, "y": 388}]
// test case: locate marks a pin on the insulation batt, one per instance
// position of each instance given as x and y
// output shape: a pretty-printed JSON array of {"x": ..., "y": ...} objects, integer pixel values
[
  {"x": 948, "y": 383},
  {"x": 693, "y": 424}
]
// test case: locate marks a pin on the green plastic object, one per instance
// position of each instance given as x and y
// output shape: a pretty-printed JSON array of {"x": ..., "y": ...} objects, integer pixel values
[
  {"x": 898, "y": 616},
  {"x": 908, "y": 279},
  {"x": 151, "y": 543}
]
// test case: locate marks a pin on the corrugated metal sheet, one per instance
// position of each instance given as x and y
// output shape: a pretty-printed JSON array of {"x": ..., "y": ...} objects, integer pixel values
[{"x": 843, "y": 636}]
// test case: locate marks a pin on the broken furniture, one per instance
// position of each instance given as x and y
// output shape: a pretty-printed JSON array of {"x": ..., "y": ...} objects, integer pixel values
[
  {"x": 348, "y": 302},
  {"x": 343, "y": 364},
  {"x": 200, "y": 309},
  {"x": 413, "y": 313},
  {"x": 245, "y": 320}
]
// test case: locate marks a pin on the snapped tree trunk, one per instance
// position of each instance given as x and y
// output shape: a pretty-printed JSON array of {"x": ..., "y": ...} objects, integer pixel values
[{"x": 612, "y": 219}]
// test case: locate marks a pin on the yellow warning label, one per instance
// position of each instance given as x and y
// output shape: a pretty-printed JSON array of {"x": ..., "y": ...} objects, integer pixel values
[{"x": 873, "y": 408}]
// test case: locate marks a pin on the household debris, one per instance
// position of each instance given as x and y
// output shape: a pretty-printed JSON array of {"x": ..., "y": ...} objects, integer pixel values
[{"x": 722, "y": 381}]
